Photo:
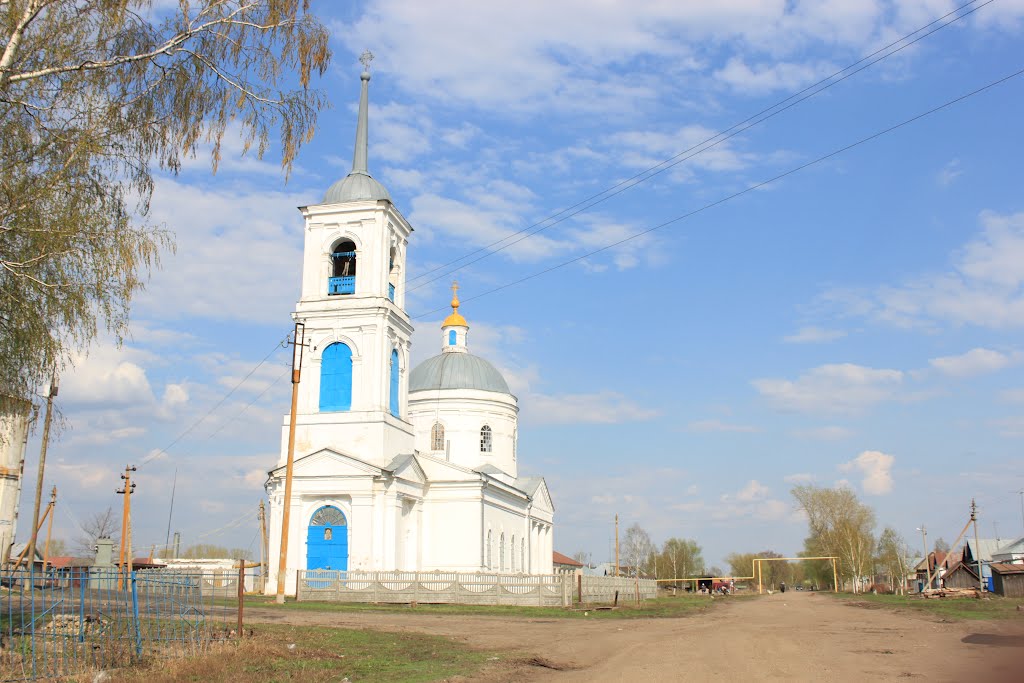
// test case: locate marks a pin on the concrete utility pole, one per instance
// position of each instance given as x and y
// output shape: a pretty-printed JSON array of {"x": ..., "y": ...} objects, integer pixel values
[
  {"x": 125, "y": 566},
  {"x": 298, "y": 342},
  {"x": 977, "y": 546},
  {"x": 616, "y": 545},
  {"x": 42, "y": 467},
  {"x": 924, "y": 545}
]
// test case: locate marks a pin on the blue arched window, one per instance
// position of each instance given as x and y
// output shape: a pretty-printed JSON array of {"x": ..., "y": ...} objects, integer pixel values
[
  {"x": 451, "y": 337},
  {"x": 336, "y": 378},
  {"x": 394, "y": 382}
]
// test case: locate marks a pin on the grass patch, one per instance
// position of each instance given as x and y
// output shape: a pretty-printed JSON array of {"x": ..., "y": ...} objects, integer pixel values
[
  {"x": 947, "y": 608},
  {"x": 679, "y": 606},
  {"x": 319, "y": 654}
]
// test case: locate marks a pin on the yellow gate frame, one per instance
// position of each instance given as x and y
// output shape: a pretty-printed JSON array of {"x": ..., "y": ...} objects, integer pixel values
[{"x": 759, "y": 560}]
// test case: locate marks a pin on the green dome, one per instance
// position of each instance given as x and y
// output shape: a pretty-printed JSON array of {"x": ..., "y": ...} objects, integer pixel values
[{"x": 457, "y": 371}]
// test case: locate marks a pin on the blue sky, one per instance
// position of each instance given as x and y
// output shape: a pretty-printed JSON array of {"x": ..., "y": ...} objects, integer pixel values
[{"x": 858, "y": 322}]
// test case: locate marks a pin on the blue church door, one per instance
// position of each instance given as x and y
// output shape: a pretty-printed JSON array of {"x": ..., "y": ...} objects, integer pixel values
[{"x": 327, "y": 540}]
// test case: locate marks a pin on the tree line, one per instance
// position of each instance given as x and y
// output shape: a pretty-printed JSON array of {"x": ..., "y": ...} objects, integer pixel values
[{"x": 839, "y": 525}]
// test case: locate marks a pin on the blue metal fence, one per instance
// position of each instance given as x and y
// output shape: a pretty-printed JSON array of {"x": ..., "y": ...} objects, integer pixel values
[{"x": 60, "y": 624}]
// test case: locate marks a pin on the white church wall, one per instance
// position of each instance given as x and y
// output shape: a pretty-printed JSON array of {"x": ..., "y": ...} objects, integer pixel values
[{"x": 452, "y": 532}]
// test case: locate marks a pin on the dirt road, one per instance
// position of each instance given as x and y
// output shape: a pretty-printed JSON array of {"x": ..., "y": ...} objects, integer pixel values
[{"x": 790, "y": 637}]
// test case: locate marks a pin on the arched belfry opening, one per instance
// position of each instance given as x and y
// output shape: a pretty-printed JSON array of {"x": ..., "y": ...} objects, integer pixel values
[{"x": 343, "y": 268}]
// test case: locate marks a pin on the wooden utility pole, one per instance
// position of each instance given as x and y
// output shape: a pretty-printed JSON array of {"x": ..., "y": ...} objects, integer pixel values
[
  {"x": 977, "y": 546},
  {"x": 42, "y": 467},
  {"x": 924, "y": 546},
  {"x": 298, "y": 342},
  {"x": 616, "y": 545},
  {"x": 49, "y": 527},
  {"x": 124, "y": 567},
  {"x": 263, "y": 543}
]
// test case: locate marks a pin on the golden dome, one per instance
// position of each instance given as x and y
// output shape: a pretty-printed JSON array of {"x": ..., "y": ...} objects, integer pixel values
[{"x": 455, "y": 318}]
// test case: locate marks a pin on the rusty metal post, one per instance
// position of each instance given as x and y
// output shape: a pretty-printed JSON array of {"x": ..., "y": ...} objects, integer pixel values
[{"x": 579, "y": 587}]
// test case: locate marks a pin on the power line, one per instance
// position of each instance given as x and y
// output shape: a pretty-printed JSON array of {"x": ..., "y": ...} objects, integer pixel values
[
  {"x": 709, "y": 143},
  {"x": 742, "y": 192},
  {"x": 219, "y": 403}
]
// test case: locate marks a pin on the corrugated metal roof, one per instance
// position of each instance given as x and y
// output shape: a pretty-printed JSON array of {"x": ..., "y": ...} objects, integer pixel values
[
  {"x": 457, "y": 371},
  {"x": 986, "y": 546}
]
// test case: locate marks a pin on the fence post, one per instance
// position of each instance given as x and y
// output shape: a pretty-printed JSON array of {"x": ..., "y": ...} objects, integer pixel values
[
  {"x": 135, "y": 614},
  {"x": 579, "y": 587},
  {"x": 241, "y": 595},
  {"x": 83, "y": 578}
]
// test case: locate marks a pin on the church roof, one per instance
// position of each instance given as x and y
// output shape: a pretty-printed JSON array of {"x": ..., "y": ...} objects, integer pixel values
[
  {"x": 457, "y": 371},
  {"x": 359, "y": 185}
]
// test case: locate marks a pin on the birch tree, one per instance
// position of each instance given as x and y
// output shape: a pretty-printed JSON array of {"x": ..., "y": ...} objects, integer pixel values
[
  {"x": 839, "y": 525},
  {"x": 893, "y": 557},
  {"x": 636, "y": 548},
  {"x": 682, "y": 557},
  {"x": 96, "y": 96}
]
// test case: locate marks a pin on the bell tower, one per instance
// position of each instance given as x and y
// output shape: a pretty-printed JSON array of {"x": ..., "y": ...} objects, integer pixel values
[{"x": 353, "y": 397}]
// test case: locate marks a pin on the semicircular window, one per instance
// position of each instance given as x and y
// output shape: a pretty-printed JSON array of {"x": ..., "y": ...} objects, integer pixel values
[{"x": 328, "y": 516}]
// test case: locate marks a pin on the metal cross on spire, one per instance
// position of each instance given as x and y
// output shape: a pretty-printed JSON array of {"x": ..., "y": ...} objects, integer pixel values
[{"x": 366, "y": 58}]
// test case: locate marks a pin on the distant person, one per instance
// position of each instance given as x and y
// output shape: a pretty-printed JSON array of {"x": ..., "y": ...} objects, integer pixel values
[{"x": 782, "y": 586}]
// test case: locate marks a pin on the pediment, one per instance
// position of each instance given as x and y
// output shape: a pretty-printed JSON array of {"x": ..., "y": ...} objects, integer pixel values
[
  {"x": 330, "y": 463},
  {"x": 542, "y": 497},
  {"x": 406, "y": 467}
]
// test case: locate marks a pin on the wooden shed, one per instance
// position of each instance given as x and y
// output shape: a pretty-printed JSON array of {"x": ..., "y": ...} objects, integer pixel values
[
  {"x": 1008, "y": 579},
  {"x": 960, "y": 576}
]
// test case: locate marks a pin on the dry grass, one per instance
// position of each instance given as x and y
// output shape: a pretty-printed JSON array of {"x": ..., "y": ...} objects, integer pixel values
[{"x": 312, "y": 654}]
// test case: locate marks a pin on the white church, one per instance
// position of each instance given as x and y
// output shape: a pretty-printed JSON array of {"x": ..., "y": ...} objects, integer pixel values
[{"x": 395, "y": 469}]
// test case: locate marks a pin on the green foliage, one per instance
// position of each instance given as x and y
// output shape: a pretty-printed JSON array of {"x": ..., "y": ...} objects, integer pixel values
[
  {"x": 680, "y": 558},
  {"x": 93, "y": 97},
  {"x": 893, "y": 558}
]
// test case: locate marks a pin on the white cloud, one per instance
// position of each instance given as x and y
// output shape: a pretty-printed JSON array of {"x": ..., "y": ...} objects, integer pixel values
[
  {"x": 605, "y": 407},
  {"x": 235, "y": 248},
  {"x": 826, "y": 433},
  {"x": 949, "y": 173},
  {"x": 983, "y": 288},
  {"x": 798, "y": 478},
  {"x": 106, "y": 378},
  {"x": 875, "y": 468},
  {"x": 974, "y": 362},
  {"x": 837, "y": 388},
  {"x": 449, "y": 50},
  {"x": 1012, "y": 427},
  {"x": 719, "y": 426},
  {"x": 754, "y": 490},
  {"x": 766, "y": 78},
  {"x": 813, "y": 335}
]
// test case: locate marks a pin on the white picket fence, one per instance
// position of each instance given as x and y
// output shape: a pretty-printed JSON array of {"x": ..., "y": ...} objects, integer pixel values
[{"x": 557, "y": 590}]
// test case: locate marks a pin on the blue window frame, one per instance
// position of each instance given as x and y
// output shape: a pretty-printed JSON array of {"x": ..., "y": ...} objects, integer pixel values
[
  {"x": 451, "y": 337},
  {"x": 394, "y": 383},
  {"x": 391, "y": 292},
  {"x": 336, "y": 378}
]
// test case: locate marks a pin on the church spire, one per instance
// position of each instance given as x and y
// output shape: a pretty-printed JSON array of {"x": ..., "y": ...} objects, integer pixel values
[
  {"x": 362, "y": 134},
  {"x": 359, "y": 185}
]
